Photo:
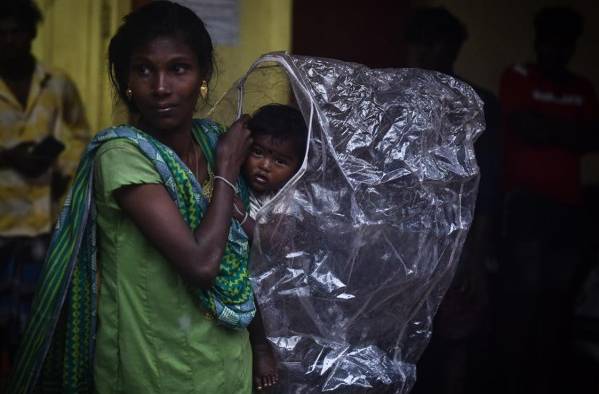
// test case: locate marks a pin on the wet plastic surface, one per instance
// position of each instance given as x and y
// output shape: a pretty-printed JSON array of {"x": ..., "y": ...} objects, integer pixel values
[{"x": 351, "y": 259}]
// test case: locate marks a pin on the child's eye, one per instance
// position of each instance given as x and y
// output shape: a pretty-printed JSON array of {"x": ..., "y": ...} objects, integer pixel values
[
  {"x": 281, "y": 162},
  {"x": 257, "y": 152}
]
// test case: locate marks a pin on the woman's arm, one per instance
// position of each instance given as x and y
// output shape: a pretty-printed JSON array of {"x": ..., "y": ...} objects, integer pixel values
[
  {"x": 243, "y": 216},
  {"x": 196, "y": 255}
]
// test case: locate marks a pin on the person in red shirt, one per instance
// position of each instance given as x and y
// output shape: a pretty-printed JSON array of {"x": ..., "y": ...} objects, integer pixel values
[{"x": 549, "y": 115}]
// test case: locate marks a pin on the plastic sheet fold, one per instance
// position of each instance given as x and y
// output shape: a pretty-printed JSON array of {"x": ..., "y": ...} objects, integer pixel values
[{"x": 351, "y": 258}]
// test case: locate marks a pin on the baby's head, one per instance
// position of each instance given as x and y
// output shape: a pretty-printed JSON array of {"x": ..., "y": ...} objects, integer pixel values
[{"x": 279, "y": 134}]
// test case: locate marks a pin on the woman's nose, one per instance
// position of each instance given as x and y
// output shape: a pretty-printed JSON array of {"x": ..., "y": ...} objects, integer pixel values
[{"x": 161, "y": 84}]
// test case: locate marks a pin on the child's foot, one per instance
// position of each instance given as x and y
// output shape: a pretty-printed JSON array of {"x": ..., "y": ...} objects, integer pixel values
[{"x": 265, "y": 367}]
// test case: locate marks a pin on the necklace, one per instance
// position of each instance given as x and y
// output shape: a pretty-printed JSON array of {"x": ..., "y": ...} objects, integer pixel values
[{"x": 208, "y": 184}]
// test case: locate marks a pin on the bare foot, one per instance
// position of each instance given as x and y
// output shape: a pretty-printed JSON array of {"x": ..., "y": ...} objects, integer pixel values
[{"x": 265, "y": 367}]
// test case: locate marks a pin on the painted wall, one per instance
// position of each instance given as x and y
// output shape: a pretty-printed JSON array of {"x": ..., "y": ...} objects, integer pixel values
[
  {"x": 74, "y": 37},
  {"x": 370, "y": 35},
  {"x": 265, "y": 26}
]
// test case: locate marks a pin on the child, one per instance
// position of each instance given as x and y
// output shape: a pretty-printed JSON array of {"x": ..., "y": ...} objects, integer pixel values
[{"x": 279, "y": 135}]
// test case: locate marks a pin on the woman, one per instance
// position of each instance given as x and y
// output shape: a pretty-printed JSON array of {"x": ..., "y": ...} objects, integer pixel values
[{"x": 172, "y": 262}]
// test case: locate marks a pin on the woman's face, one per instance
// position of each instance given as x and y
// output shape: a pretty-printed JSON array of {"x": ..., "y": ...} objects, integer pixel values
[{"x": 165, "y": 79}]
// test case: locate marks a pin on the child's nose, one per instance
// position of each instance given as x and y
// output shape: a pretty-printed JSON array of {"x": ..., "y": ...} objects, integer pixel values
[{"x": 265, "y": 164}]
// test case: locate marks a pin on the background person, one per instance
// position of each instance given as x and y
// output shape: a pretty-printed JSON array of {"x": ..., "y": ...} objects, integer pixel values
[
  {"x": 457, "y": 357},
  {"x": 550, "y": 116},
  {"x": 43, "y": 131}
]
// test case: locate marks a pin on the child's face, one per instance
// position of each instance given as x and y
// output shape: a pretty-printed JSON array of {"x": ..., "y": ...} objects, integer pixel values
[{"x": 270, "y": 163}]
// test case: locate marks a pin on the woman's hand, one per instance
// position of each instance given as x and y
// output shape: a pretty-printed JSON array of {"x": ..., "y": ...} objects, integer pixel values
[
  {"x": 197, "y": 254},
  {"x": 232, "y": 149}
]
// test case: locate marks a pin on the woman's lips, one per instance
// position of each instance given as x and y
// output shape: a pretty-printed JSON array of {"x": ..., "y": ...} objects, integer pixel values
[{"x": 165, "y": 109}]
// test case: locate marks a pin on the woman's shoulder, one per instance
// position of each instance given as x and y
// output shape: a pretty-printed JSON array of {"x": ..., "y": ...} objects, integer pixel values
[
  {"x": 209, "y": 126},
  {"x": 120, "y": 161},
  {"x": 208, "y": 131},
  {"x": 120, "y": 135},
  {"x": 118, "y": 144}
]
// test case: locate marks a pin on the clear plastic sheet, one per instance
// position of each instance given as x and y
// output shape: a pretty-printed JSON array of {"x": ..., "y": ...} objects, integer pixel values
[{"x": 351, "y": 258}]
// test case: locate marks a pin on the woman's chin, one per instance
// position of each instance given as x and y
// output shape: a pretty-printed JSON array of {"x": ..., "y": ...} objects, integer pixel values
[{"x": 163, "y": 124}]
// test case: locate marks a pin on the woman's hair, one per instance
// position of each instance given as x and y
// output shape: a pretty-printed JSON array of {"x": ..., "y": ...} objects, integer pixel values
[
  {"x": 156, "y": 19},
  {"x": 282, "y": 123}
]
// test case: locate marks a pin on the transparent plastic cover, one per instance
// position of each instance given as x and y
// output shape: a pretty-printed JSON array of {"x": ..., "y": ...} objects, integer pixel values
[{"x": 351, "y": 258}]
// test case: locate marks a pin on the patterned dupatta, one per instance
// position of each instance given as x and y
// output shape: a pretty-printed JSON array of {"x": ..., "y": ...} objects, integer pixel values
[{"x": 59, "y": 340}]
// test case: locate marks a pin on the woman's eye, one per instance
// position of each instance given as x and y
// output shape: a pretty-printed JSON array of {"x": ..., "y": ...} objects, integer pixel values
[
  {"x": 142, "y": 69},
  {"x": 180, "y": 68}
]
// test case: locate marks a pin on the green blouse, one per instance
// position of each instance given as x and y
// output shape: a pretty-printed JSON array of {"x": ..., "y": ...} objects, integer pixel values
[{"x": 153, "y": 336}]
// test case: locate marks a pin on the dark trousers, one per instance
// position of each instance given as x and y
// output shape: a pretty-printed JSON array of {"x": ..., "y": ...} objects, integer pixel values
[
  {"x": 21, "y": 260},
  {"x": 536, "y": 293}
]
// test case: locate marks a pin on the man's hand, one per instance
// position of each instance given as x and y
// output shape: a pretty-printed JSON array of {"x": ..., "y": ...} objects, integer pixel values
[{"x": 24, "y": 160}]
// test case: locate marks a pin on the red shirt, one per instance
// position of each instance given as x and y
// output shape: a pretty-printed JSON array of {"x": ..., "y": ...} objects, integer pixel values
[{"x": 551, "y": 170}]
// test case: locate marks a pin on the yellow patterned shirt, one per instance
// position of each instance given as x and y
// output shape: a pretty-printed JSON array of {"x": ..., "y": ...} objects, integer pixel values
[{"x": 53, "y": 108}]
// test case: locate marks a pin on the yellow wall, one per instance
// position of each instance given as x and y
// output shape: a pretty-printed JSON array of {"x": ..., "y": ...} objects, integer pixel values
[
  {"x": 265, "y": 26},
  {"x": 75, "y": 33},
  {"x": 74, "y": 37}
]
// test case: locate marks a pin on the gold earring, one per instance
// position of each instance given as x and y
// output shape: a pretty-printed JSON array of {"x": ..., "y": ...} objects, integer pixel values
[
  {"x": 129, "y": 94},
  {"x": 204, "y": 90}
]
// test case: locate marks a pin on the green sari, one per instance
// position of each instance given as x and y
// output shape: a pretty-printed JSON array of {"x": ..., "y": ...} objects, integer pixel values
[{"x": 58, "y": 342}]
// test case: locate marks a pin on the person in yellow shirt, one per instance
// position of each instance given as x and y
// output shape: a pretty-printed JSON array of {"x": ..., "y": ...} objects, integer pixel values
[{"x": 43, "y": 131}]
